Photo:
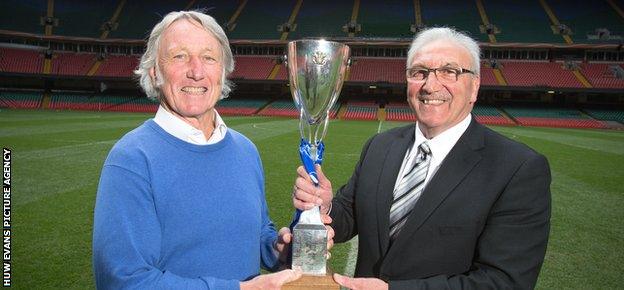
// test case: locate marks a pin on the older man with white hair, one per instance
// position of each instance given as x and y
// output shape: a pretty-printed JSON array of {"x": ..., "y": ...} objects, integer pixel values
[
  {"x": 444, "y": 203},
  {"x": 180, "y": 203}
]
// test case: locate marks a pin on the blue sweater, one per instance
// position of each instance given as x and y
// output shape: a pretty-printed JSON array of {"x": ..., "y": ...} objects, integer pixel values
[{"x": 173, "y": 215}]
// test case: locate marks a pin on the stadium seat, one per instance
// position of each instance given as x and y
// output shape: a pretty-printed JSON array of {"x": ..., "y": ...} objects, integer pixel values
[
  {"x": 607, "y": 114},
  {"x": 281, "y": 108},
  {"x": 66, "y": 63},
  {"x": 601, "y": 76},
  {"x": 489, "y": 115},
  {"x": 539, "y": 74},
  {"x": 552, "y": 117},
  {"x": 360, "y": 110},
  {"x": 118, "y": 66},
  {"x": 239, "y": 107},
  {"x": 20, "y": 100},
  {"x": 21, "y": 60},
  {"x": 373, "y": 70},
  {"x": 385, "y": 19},
  {"x": 520, "y": 21},
  {"x": 253, "y": 67},
  {"x": 487, "y": 76},
  {"x": 584, "y": 17},
  {"x": 259, "y": 19},
  {"x": 308, "y": 24}
]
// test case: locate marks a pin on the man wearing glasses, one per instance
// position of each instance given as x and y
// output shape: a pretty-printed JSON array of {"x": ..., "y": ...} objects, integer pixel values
[{"x": 445, "y": 203}]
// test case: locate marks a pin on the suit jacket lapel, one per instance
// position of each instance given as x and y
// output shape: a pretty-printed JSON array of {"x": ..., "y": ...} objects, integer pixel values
[
  {"x": 390, "y": 170},
  {"x": 457, "y": 164}
]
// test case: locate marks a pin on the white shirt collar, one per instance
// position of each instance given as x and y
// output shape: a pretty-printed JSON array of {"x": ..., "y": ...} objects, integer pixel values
[
  {"x": 185, "y": 132},
  {"x": 442, "y": 144}
]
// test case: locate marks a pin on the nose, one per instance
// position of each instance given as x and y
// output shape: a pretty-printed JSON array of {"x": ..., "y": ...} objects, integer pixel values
[
  {"x": 195, "y": 69},
  {"x": 431, "y": 84}
]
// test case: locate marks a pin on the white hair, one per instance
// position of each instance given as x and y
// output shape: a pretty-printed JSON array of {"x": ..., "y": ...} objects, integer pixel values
[
  {"x": 429, "y": 35},
  {"x": 149, "y": 59}
]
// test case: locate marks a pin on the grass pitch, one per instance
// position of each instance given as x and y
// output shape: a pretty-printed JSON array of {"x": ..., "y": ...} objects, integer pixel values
[{"x": 57, "y": 158}]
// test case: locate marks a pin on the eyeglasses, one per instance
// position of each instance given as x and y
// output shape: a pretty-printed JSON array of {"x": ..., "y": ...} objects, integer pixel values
[{"x": 444, "y": 74}]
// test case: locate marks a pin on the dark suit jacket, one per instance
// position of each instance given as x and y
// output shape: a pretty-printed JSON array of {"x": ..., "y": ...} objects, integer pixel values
[{"x": 482, "y": 222}]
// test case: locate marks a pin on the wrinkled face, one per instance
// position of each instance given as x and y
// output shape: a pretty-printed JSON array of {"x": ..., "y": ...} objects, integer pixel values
[
  {"x": 191, "y": 65},
  {"x": 441, "y": 105}
]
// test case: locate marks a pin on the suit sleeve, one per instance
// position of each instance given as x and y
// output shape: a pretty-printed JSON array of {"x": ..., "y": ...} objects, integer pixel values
[
  {"x": 343, "y": 205},
  {"x": 127, "y": 238},
  {"x": 511, "y": 248}
]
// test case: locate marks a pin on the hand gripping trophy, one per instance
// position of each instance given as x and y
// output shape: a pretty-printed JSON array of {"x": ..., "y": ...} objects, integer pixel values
[{"x": 316, "y": 71}]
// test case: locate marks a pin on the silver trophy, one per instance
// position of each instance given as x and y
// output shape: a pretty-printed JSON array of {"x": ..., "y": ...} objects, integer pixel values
[{"x": 316, "y": 70}]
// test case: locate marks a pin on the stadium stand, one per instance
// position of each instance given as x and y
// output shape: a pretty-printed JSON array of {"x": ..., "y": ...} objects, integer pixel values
[
  {"x": 461, "y": 14},
  {"x": 580, "y": 16},
  {"x": 552, "y": 117},
  {"x": 20, "y": 100},
  {"x": 22, "y": 15},
  {"x": 253, "y": 67},
  {"x": 485, "y": 114},
  {"x": 372, "y": 70},
  {"x": 487, "y": 76},
  {"x": 139, "y": 16},
  {"x": 602, "y": 75},
  {"x": 74, "y": 102},
  {"x": 20, "y": 60},
  {"x": 222, "y": 11},
  {"x": 607, "y": 114},
  {"x": 65, "y": 63},
  {"x": 282, "y": 108},
  {"x": 592, "y": 72},
  {"x": 128, "y": 104},
  {"x": 540, "y": 74},
  {"x": 118, "y": 66},
  {"x": 520, "y": 21},
  {"x": 399, "y": 112},
  {"x": 84, "y": 102},
  {"x": 286, "y": 108},
  {"x": 282, "y": 74},
  {"x": 315, "y": 20},
  {"x": 359, "y": 110},
  {"x": 83, "y": 18},
  {"x": 385, "y": 19},
  {"x": 489, "y": 115},
  {"x": 259, "y": 19},
  {"x": 239, "y": 107}
]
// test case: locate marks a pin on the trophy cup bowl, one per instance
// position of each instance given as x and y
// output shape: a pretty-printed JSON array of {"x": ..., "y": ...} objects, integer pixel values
[{"x": 316, "y": 72}]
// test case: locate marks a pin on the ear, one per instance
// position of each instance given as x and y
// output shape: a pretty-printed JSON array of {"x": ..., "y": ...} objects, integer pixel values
[
  {"x": 476, "y": 83},
  {"x": 152, "y": 73}
]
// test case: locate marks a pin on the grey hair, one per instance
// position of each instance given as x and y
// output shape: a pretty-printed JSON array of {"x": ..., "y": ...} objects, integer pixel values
[
  {"x": 429, "y": 35},
  {"x": 149, "y": 59}
]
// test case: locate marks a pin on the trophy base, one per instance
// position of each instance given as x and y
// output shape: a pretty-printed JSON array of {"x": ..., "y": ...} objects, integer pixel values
[
  {"x": 309, "y": 248},
  {"x": 310, "y": 282}
]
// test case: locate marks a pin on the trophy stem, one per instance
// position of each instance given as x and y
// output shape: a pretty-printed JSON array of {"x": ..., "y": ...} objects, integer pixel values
[{"x": 313, "y": 153}]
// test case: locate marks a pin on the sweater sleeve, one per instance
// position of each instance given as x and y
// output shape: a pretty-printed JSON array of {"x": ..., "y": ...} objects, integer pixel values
[
  {"x": 268, "y": 235},
  {"x": 127, "y": 238}
]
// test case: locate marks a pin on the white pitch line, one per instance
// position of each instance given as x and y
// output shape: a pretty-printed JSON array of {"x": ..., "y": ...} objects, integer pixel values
[
  {"x": 349, "y": 269},
  {"x": 379, "y": 127}
]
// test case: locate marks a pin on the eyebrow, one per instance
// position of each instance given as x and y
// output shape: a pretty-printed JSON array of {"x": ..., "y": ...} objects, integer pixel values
[
  {"x": 168, "y": 49},
  {"x": 452, "y": 64}
]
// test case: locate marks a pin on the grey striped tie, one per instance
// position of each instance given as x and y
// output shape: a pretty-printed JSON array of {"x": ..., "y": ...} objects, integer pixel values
[{"x": 407, "y": 192}]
